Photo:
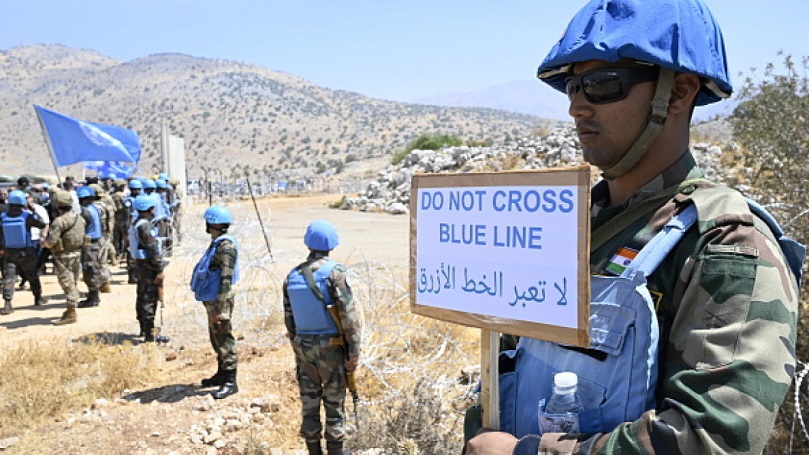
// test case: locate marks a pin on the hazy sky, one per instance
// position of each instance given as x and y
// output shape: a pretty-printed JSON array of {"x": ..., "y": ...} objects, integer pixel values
[{"x": 400, "y": 51}]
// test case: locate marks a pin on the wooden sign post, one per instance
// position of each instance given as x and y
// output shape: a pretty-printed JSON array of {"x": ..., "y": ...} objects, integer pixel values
[{"x": 506, "y": 252}]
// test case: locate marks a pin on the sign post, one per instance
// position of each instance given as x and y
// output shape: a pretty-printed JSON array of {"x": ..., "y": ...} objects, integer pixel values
[{"x": 506, "y": 252}]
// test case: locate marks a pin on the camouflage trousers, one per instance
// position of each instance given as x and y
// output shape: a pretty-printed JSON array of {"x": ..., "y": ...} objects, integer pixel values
[
  {"x": 22, "y": 261},
  {"x": 177, "y": 219},
  {"x": 67, "y": 266},
  {"x": 119, "y": 235},
  {"x": 94, "y": 272},
  {"x": 146, "y": 300},
  {"x": 220, "y": 331},
  {"x": 321, "y": 378},
  {"x": 106, "y": 251}
]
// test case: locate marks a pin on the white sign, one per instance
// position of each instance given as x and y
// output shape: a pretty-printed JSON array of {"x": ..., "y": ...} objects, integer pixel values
[{"x": 503, "y": 252}]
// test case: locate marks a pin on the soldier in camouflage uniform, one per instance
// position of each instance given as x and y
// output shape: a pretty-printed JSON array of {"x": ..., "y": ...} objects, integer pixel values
[
  {"x": 324, "y": 331},
  {"x": 94, "y": 272},
  {"x": 65, "y": 241},
  {"x": 726, "y": 297},
  {"x": 121, "y": 217},
  {"x": 212, "y": 283},
  {"x": 146, "y": 250},
  {"x": 17, "y": 248},
  {"x": 106, "y": 253}
]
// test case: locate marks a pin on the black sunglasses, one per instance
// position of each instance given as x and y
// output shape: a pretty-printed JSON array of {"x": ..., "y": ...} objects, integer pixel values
[{"x": 606, "y": 85}]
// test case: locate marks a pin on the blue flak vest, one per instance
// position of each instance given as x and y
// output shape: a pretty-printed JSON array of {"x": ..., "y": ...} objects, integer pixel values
[
  {"x": 94, "y": 228},
  {"x": 618, "y": 372},
  {"x": 15, "y": 231},
  {"x": 310, "y": 314},
  {"x": 206, "y": 282},
  {"x": 135, "y": 249}
]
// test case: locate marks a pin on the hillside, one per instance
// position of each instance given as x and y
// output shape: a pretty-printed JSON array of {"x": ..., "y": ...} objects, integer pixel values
[{"x": 233, "y": 116}]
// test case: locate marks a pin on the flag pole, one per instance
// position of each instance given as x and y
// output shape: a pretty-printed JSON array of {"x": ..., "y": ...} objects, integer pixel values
[{"x": 50, "y": 149}]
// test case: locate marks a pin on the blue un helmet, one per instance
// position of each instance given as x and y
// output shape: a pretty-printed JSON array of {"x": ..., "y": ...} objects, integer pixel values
[
  {"x": 678, "y": 36},
  {"x": 321, "y": 236},
  {"x": 163, "y": 176},
  {"x": 17, "y": 197},
  {"x": 85, "y": 191},
  {"x": 161, "y": 184},
  {"x": 217, "y": 214},
  {"x": 149, "y": 183},
  {"x": 143, "y": 203},
  {"x": 135, "y": 184}
]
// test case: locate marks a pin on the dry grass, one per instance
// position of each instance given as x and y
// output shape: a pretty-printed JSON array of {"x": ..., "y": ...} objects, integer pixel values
[{"x": 43, "y": 380}]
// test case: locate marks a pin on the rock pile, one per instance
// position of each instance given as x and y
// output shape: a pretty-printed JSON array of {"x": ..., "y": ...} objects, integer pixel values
[{"x": 390, "y": 192}]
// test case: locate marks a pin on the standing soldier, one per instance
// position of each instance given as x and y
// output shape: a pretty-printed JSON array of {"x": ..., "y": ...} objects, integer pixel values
[
  {"x": 18, "y": 248},
  {"x": 121, "y": 226},
  {"x": 212, "y": 283},
  {"x": 145, "y": 249},
  {"x": 324, "y": 330},
  {"x": 106, "y": 254},
  {"x": 91, "y": 267},
  {"x": 176, "y": 210},
  {"x": 135, "y": 189},
  {"x": 65, "y": 241}
]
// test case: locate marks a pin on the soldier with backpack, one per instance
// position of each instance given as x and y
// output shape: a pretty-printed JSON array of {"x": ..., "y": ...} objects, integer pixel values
[
  {"x": 324, "y": 331},
  {"x": 694, "y": 289},
  {"x": 65, "y": 241}
]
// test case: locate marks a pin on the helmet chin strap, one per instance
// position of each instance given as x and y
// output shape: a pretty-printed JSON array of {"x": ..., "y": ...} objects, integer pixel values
[{"x": 660, "y": 104}]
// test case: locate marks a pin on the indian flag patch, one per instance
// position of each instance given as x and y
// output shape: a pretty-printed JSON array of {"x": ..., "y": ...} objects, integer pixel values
[{"x": 621, "y": 260}]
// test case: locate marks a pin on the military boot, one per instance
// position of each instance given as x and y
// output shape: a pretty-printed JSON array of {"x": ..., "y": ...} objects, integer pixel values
[
  {"x": 314, "y": 447},
  {"x": 217, "y": 379},
  {"x": 336, "y": 448},
  {"x": 228, "y": 388},
  {"x": 68, "y": 317},
  {"x": 148, "y": 331},
  {"x": 92, "y": 300},
  {"x": 39, "y": 300},
  {"x": 7, "y": 309}
]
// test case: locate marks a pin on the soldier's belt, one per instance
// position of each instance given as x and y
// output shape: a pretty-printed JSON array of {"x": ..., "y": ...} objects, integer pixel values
[{"x": 322, "y": 340}]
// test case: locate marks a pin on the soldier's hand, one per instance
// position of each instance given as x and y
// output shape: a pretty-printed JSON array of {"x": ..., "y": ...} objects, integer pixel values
[
  {"x": 351, "y": 364},
  {"x": 489, "y": 442},
  {"x": 158, "y": 280}
]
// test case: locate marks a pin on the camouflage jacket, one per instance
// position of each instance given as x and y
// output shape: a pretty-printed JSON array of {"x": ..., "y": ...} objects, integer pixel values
[
  {"x": 66, "y": 233},
  {"x": 121, "y": 211},
  {"x": 224, "y": 259},
  {"x": 341, "y": 294},
  {"x": 727, "y": 308},
  {"x": 147, "y": 240}
]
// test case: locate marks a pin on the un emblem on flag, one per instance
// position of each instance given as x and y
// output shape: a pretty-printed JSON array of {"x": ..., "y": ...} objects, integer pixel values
[{"x": 98, "y": 137}]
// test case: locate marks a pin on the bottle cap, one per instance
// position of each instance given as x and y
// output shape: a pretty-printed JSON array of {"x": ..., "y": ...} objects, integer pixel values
[{"x": 565, "y": 382}]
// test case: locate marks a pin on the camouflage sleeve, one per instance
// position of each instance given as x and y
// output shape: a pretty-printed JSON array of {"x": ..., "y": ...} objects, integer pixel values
[
  {"x": 341, "y": 293},
  {"x": 154, "y": 256},
  {"x": 730, "y": 354},
  {"x": 224, "y": 259},
  {"x": 34, "y": 221},
  {"x": 289, "y": 321},
  {"x": 55, "y": 232}
]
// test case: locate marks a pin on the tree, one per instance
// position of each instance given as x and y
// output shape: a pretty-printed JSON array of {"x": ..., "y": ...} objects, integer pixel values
[{"x": 770, "y": 125}]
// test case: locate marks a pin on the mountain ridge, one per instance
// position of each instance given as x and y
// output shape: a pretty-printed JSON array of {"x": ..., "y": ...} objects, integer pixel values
[{"x": 235, "y": 116}]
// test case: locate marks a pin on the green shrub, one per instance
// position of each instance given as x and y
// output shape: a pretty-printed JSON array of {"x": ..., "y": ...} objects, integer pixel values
[{"x": 427, "y": 142}]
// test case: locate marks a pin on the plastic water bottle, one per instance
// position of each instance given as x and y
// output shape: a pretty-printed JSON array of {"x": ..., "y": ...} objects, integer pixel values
[{"x": 561, "y": 415}]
